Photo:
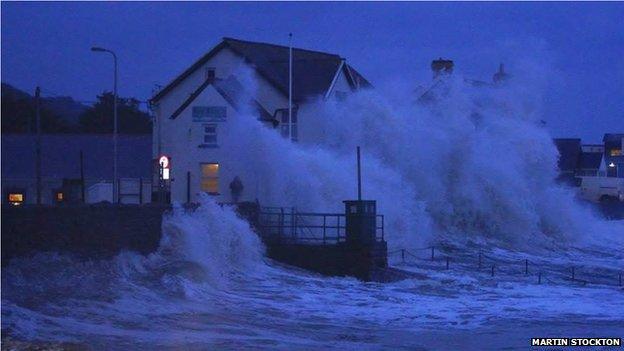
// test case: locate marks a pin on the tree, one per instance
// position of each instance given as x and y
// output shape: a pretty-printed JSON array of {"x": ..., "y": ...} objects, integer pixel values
[
  {"x": 19, "y": 116},
  {"x": 130, "y": 119}
]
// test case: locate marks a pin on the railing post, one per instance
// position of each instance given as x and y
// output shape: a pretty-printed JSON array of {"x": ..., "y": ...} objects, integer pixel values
[
  {"x": 324, "y": 224},
  {"x": 539, "y": 278},
  {"x": 480, "y": 259},
  {"x": 338, "y": 226},
  {"x": 572, "y": 272},
  {"x": 382, "y": 228},
  {"x": 403, "y": 260},
  {"x": 526, "y": 267},
  {"x": 432, "y": 254},
  {"x": 492, "y": 270},
  {"x": 620, "y": 279},
  {"x": 447, "y": 262},
  {"x": 293, "y": 222},
  {"x": 281, "y": 224}
]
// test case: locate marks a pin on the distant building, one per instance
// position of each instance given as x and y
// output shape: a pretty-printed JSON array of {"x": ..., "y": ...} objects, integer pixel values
[
  {"x": 442, "y": 69},
  {"x": 602, "y": 160},
  {"x": 614, "y": 154},
  {"x": 61, "y": 179},
  {"x": 569, "y": 155},
  {"x": 193, "y": 111}
]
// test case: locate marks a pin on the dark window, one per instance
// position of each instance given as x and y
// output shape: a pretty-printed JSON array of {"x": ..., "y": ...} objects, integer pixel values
[
  {"x": 210, "y": 73},
  {"x": 210, "y": 135},
  {"x": 285, "y": 125}
]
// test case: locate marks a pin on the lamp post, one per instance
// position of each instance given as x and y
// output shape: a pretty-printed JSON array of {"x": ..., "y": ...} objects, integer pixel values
[{"x": 99, "y": 49}]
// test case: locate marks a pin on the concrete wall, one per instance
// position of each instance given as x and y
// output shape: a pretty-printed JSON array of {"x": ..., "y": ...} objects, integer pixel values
[
  {"x": 339, "y": 260},
  {"x": 88, "y": 230},
  {"x": 96, "y": 190}
]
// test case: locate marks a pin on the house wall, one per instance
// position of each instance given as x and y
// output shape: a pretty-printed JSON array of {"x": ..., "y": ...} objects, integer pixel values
[
  {"x": 182, "y": 143},
  {"x": 179, "y": 138},
  {"x": 226, "y": 63}
]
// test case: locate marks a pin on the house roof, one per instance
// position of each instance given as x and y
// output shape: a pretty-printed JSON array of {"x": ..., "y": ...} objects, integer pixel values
[
  {"x": 569, "y": 153},
  {"x": 233, "y": 92},
  {"x": 615, "y": 138},
  {"x": 590, "y": 160},
  {"x": 313, "y": 71},
  {"x": 60, "y": 156}
]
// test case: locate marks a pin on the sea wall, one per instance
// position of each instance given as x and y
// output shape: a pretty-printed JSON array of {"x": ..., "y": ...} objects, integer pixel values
[{"x": 91, "y": 231}]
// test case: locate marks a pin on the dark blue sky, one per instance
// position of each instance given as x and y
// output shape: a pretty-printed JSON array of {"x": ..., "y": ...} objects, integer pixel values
[{"x": 577, "y": 48}]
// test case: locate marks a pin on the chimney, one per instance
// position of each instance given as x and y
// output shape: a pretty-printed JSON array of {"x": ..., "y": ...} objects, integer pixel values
[
  {"x": 441, "y": 67},
  {"x": 500, "y": 75}
]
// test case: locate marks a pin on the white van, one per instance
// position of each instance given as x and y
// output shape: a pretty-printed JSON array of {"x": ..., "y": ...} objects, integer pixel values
[{"x": 602, "y": 189}]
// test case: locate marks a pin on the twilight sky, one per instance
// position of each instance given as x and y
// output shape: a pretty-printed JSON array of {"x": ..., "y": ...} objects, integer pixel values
[{"x": 577, "y": 49}]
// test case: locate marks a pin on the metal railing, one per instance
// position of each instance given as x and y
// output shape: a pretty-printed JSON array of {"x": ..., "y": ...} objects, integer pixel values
[
  {"x": 289, "y": 226},
  {"x": 432, "y": 257}
]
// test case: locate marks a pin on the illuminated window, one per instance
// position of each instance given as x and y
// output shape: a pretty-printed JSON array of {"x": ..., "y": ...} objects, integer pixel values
[
  {"x": 59, "y": 196},
  {"x": 285, "y": 125},
  {"x": 16, "y": 199},
  {"x": 210, "y": 178},
  {"x": 616, "y": 152}
]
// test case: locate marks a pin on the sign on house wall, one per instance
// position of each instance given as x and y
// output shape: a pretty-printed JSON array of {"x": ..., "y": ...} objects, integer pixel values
[{"x": 209, "y": 114}]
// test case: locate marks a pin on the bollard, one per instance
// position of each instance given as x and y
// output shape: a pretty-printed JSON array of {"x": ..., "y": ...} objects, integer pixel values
[
  {"x": 539, "y": 278},
  {"x": 432, "y": 256},
  {"x": 620, "y": 277},
  {"x": 526, "y": 267},
  {"x": 492, "y": 270},
  {"x": 447, "y": 262},
  {"x": 572, "y": 272},
  {"x": 479, "y": 259},
  {"x": 403, "y": 255}
]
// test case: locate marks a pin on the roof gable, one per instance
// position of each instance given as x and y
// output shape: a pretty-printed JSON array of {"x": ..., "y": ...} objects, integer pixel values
[
  {"x": 232, "y": 91},
  {"x": 313, "y": 71}
]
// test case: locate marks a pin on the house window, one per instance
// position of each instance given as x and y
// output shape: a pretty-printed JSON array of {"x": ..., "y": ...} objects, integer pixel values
[
  {"x": 59, "y": 196},
  {"x": 210, "y": 73},
  {"x": 341, "y": 96},
  {"x": 615, "y": 152},
  {"x": 210, "y": 178},
  {"x": 285, "y": 125},
  {"x": 16, "y": 198},
  {"x": 210, "y": 135}
]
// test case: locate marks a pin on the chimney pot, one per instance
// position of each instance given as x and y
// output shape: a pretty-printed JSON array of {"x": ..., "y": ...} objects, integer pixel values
[{"x": 441, "y": 66}]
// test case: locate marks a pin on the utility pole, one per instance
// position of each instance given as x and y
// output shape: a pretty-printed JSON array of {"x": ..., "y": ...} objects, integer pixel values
[
  {"x": 82, "y": 179},
  {"x": 359, "y": 175},
  {"x": 99, "y": 49},
  {"x": 290, "y": 78},
  {"x": 38, "y": 144}
]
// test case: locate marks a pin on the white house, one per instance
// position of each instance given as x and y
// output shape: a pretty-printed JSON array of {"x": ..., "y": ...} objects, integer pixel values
[{"x": 192, "y": 112}]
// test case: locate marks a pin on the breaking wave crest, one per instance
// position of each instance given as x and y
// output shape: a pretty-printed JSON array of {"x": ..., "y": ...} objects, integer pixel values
[
  {"x": 466, "y": 163},
  {"x": 472, "y": 166}
]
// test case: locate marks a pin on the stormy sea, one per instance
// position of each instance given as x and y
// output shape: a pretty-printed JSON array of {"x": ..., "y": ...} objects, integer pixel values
[{"x": 468, "y": 170}]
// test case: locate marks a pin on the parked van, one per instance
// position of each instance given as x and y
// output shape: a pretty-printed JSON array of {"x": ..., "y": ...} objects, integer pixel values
[{"x": 602, "y": 189}]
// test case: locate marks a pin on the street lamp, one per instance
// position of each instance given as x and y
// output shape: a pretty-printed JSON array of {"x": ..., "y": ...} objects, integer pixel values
[{"x": 99, "y": 49}]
